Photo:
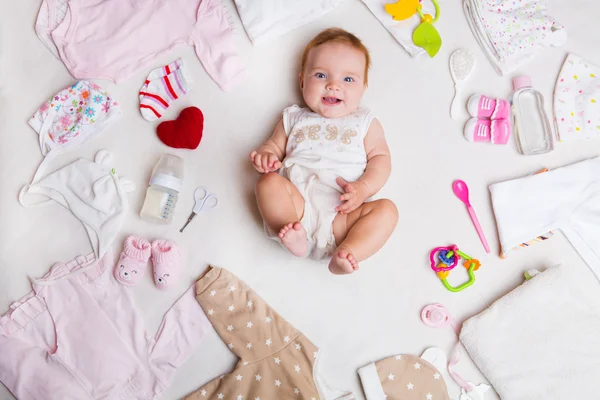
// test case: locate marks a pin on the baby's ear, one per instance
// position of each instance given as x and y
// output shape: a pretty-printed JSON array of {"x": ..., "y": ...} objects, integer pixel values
[
  {"x": 122, "y": 257},
  {"x": 301, "y": 79}
]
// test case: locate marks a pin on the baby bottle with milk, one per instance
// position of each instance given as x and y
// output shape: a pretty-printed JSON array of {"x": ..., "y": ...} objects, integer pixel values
[{"x": 165, "y": 184}]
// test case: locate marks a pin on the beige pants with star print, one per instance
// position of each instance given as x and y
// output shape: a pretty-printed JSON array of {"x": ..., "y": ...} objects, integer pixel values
[{"x": 276, "y": 360}]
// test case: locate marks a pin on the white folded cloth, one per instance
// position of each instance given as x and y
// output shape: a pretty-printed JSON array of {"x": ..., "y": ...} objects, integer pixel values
[
  {"x": 566, "y": 199},
  {"x": 512, "y": 32},
  {"x": 402, "y": 31},
  {"x": 577, "y": 100},
  {"x": 267, "y": 19}
]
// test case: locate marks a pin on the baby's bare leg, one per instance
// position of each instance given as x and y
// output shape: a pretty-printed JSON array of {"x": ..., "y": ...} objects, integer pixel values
[
  {"x": 282, "y": 206},
  {"x": 361, "y": 234}
]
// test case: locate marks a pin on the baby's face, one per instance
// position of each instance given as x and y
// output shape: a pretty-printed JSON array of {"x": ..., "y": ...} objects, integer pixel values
[{"x": 333, "y": 79}]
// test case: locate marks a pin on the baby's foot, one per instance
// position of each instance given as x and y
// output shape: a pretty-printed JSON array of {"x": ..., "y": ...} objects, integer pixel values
[
  {"x": 343, "y": 262},
  {"x": 293, "y": 237}
]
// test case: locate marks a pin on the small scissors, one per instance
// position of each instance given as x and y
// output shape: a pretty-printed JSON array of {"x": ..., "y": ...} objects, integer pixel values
[{"x": 204, "y": 201}]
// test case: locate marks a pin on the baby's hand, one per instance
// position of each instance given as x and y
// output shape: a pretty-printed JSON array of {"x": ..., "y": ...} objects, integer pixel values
[
  {"x": 355, "y": 193},
  {"x": 265, "y": 162}
]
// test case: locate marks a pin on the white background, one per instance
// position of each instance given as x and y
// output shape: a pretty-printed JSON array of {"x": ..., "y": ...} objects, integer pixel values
[{"x": 356, "y": 319}]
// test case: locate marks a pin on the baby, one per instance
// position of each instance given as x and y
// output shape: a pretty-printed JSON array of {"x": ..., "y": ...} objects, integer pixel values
[{"x": 331, "y": 158}]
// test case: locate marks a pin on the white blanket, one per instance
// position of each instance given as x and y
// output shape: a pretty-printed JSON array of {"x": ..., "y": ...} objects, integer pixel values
[{"x": 541, "y": 341}]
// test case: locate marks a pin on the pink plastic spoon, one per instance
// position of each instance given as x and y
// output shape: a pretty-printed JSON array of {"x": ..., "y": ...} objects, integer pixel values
[{"x": 461, "y": 190}]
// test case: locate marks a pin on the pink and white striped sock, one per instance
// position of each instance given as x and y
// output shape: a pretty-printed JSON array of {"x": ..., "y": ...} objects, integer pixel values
[{"x": 163, "y": 85}]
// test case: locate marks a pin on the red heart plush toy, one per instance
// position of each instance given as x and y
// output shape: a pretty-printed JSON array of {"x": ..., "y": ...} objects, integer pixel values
[{"x": 185, "y": 132}]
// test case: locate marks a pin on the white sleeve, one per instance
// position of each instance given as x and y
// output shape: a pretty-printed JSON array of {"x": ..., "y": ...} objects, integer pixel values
[
  {"x": 365, "y": 122},
  {"x": 291, "y": 116}
]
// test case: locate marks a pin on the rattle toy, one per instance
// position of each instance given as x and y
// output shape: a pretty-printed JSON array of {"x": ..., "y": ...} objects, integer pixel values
[
  {"x": 425, "y": 36},
  {"x": 448, "y": 259}
]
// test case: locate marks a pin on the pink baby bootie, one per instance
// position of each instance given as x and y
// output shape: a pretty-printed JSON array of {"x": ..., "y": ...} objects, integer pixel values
[
  {"x": 481, "y": 106},
  {"x": 166, "y": 260},
  {"x": 496, "y": 131},
  {"x": 490, "y": 122},
  {"x": 132, "y": 261}
]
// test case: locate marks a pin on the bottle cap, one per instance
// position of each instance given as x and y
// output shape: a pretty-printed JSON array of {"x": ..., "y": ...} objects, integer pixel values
[
  {"x": 521, "y": 82},
  {"x": 168, "y": 172},
  {"x": 168, "y": 181}
]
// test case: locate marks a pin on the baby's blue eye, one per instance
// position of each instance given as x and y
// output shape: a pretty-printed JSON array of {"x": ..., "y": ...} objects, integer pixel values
[
  {"x": 320, "y": 75},
  {"x": 348, "y": 79}
]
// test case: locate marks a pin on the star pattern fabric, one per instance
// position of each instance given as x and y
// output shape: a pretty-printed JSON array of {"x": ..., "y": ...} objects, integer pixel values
[
  {"x": 405, "y": 377},
  {"x": 276, "y": 360},
  {"x": 412, "y": 378}
]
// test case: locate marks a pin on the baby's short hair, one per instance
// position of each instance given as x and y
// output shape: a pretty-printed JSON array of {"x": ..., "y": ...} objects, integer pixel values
[{"x": 337, "y": 35}]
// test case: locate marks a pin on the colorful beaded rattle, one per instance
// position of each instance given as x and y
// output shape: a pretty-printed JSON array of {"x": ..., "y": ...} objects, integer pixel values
[{"x": 448, "y": 259}]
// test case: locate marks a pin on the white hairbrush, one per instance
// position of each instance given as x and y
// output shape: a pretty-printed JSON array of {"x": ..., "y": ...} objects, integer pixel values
[{"x": 462, "y": 64}]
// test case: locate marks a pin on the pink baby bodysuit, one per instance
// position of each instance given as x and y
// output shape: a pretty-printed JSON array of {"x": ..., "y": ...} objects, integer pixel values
[
  {"x": 113, "y": 39},
  {"x": 78, "y": 336}
]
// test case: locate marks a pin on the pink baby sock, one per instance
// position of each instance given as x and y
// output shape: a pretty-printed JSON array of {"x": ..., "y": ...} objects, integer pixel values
[
  {"x": 163, "y": 85},
  {"x": 166, "y": 259},
  {"x": 132, "y": 261}
]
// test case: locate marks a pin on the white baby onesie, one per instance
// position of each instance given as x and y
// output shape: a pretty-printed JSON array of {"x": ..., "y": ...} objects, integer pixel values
[{"x": 318, "y": 151}]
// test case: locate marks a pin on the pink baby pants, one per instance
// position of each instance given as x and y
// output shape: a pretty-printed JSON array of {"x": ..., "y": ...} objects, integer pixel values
[{"x": 78, "y": 336}]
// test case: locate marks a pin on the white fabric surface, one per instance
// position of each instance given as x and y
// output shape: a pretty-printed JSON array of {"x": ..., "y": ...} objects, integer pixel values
[
  {"x": 355, "y": 319},
  {"x": 48, "y": 18},
  {"x": 567, "y": 198},
  {"x": 265, "y": 20},
  {"x": 402, "y": 31},
  {"x": 512, "y": 33},
  {"x": 539, "y": 341},
  {"x": 577, "y": 100},
  {"x": 91, "y": 191}
]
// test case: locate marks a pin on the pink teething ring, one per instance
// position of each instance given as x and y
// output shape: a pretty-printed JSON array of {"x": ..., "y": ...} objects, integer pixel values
[{"x": 444, "y": 268}]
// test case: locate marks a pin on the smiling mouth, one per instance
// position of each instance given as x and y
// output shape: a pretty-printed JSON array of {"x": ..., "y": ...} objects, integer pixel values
[{"x": 331, "y": 101}]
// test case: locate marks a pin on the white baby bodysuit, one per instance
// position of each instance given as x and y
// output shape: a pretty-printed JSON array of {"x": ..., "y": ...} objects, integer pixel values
[{"x": 318, "y": 151}]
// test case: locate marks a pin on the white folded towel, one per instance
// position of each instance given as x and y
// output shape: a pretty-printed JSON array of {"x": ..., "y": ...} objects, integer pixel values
[{"x": 542, "y": 340}]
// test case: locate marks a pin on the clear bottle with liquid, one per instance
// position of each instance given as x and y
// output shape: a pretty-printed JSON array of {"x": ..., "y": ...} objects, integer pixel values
[
  {"x": 162, "y": 195},
  {"x": 531, "y": 124}
]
